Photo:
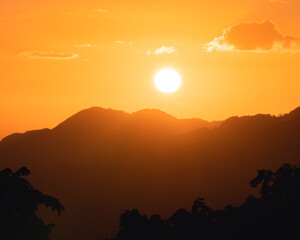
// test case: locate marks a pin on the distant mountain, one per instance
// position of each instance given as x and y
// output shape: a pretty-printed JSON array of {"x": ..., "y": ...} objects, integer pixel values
[
  {"x": 101, "y": 161},
  {"x": 98, "y": 121}
]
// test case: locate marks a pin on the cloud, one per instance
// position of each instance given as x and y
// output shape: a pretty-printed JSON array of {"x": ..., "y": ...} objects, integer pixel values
[
  {"x": 123, "y": 42},
  {"x": 254, "y": 36},
  {"x": 162, "y": 50},
  {"x": 84, "y": 45},
  {"x": 49, "y": 55},
  {"x": 101, "y": 10}
]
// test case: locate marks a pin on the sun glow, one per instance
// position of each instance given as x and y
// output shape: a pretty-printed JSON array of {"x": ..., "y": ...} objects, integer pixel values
[{"x": 167, "y": 80}]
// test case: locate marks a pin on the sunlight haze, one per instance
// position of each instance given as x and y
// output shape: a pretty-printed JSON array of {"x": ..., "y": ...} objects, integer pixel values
[{"x": 59, "y": 57}]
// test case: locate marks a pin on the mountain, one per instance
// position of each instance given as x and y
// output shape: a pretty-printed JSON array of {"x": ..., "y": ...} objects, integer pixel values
[{"x": 101, "y": 161}]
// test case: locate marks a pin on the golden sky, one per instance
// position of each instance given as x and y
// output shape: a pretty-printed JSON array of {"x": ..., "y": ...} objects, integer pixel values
[{"x": 236, "y": 57}]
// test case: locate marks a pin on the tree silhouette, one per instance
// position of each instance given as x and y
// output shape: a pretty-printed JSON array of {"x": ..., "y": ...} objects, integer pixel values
[
  {"x": 273, "y": 215},
  {"x": 19, "y": 202},
  {"x": 200, "y": 207}
]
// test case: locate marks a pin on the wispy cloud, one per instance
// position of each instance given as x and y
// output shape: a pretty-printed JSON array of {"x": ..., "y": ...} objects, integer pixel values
[
  {"x": 84, "y": 45},
  {"x": 101, "y": 10},
  {"x": 162, "y": 50},
  {"x": 49, "y": 55},
  {"x": 256, "y": 37}
]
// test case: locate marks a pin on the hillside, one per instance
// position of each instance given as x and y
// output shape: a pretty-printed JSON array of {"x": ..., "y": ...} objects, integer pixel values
[{"x": 101, "y": 161}]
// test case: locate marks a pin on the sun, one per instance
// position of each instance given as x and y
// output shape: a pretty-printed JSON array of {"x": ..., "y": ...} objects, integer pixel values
[{"x": 167, "y": 80}]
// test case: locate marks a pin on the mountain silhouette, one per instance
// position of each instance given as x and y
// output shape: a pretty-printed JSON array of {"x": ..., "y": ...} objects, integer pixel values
[{"x": 101, "y": 161}]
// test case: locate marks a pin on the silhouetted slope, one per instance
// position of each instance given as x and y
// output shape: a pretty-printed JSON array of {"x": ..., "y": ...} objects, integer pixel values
[
  {"x": 93, "y": 120},
  {"x": 96, "y": 130},
  {"x": 150, "y": 122},
  {"x": 239, "y": 146},
  {"x": 101, "y": 161}
]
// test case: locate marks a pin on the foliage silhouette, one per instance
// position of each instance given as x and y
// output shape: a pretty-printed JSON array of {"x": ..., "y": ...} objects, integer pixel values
[
  {"x": 19, "y": 202},
  {"x": 272, "y": 215}
]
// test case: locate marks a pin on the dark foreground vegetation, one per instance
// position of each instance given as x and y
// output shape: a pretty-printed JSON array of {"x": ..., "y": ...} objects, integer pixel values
[
  {"x": 275, "y": 214},
  {"x": 19, "y": 202}
]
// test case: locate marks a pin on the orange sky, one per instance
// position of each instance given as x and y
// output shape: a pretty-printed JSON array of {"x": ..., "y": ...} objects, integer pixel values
[{"x": 236, "y": 57}]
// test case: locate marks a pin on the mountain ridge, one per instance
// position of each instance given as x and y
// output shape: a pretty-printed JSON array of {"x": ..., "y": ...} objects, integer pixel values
[
  {"x": 94, "y": 112},
  {"x": 98, "y": 169},
  {"x": 98, "y": 116}
]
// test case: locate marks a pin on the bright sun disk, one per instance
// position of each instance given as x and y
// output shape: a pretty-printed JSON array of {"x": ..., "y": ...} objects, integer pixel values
[{"x": 167, "y": 80}]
